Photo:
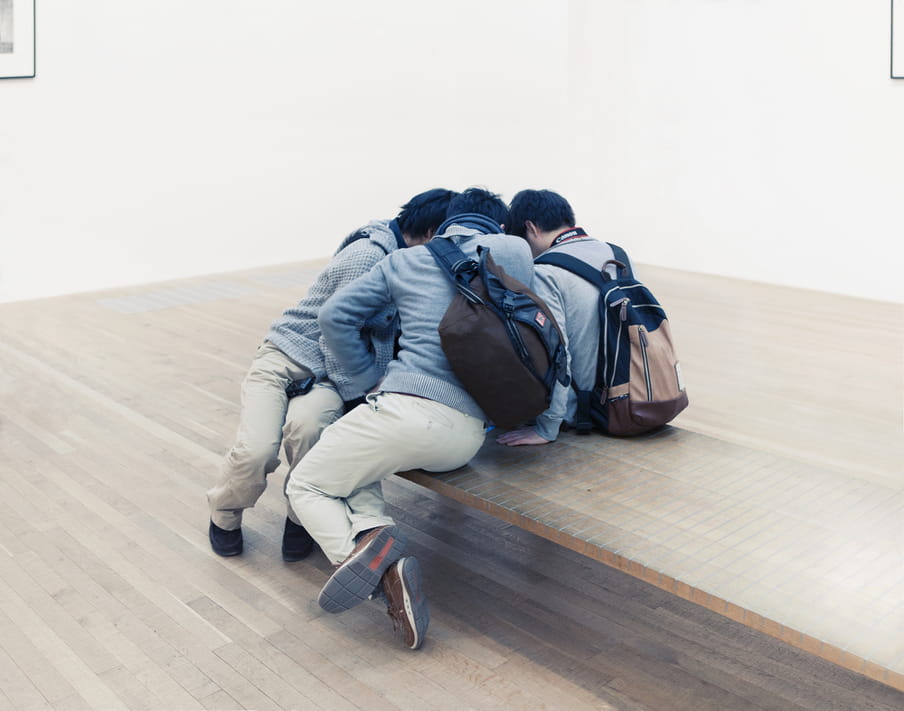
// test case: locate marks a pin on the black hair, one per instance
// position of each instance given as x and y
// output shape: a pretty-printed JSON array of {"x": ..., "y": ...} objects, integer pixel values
[
  {"x": 424, "y": 212},
  {"x": 481, "y": 202},
  {"x": 546, "y": 209}
]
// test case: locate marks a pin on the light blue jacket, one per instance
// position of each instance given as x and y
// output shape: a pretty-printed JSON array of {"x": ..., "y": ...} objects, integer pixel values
[{"x": 411, "y": 281}]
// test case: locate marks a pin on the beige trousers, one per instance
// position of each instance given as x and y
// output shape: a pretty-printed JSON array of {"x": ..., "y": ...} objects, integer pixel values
[
  {"x": 268, "y": 419},
  {"x": 336, "y": 489}
]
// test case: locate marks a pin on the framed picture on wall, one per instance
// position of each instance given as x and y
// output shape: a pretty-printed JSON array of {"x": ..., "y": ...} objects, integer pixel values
[
  {"x": 897, "y": 39},
  {"x": 17, "y": 39}
]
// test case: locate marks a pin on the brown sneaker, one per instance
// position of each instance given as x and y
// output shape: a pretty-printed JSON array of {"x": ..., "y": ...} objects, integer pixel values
[
  {"x": 406, "y": 605},
  {"x": 356, "y": 579}
]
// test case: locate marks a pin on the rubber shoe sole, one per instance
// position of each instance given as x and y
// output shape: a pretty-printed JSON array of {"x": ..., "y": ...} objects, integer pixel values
[
  {"x": 360, "y": 573},
  {"x": 407, "y": 606}
]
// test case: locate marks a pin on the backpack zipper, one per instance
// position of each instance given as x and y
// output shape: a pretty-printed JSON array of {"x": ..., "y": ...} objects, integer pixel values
[
  {"x": 514, "y": 334},
  {"x": 622, "y": 316},
  {"x": 516, "y": 337},
  {"x": 646, "y": 363}
]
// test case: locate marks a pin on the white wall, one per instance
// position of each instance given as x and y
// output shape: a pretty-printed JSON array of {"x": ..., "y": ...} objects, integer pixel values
[
  {"x": 760, "y": 139},
  {"x": 170, "y": 138},
  {"x": 167, "y": 138}
]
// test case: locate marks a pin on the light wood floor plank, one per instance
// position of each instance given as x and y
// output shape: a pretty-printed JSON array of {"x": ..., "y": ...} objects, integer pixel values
[
  {"x": 301, "y": 687},
  {"x": 297, "y": 644},
  {"x": 28, "y": 614},
  {"x": 112, "y": 624},
  {"x": 16, "y": 690}
]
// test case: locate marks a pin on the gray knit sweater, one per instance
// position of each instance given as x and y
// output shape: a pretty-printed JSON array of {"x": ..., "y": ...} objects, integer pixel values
[
  {"x": 297, "y": 333},
  {"x": 575, "y": 304},
  {"x": 411, "y": 281}
]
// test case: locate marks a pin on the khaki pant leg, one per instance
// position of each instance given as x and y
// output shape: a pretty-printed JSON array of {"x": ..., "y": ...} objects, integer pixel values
[
  {"x": 255, "y": 453},
  {"x": 308, "y": 415},
  {"x": 335, "y": 489}
]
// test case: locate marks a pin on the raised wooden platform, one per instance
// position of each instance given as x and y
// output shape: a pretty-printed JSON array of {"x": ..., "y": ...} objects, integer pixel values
[{"x": 797, "y": 551}]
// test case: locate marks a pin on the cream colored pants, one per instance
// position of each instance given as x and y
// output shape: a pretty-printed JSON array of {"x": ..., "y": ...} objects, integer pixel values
[
  {"x": 268, "y": 418},
  {"x": 336, "y": 489}
]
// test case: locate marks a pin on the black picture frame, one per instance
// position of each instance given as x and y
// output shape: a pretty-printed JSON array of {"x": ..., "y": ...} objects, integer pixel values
[
  {"x": 17, "y": 39},
  {"x": 897, "y": 39}
]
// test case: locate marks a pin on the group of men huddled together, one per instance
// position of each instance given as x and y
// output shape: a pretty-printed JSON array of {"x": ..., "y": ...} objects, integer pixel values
[{"x": 376, "y": 394}]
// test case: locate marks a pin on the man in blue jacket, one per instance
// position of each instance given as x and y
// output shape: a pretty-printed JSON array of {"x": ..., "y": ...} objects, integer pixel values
[
  {"x": 417, "y": 417},
  {"x": 295, "y": 387}
]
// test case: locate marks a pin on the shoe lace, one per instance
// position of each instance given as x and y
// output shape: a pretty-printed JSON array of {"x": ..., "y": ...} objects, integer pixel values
[{"x": 396, "y": 614}]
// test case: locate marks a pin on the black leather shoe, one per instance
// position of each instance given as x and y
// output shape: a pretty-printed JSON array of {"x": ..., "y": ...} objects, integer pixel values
[
  {"x": 296, "y": 542},
  {"x": 225, "y": 543}
]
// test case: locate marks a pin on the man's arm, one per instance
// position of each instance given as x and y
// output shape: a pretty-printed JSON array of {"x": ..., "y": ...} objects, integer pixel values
[
  {"x": 343, "y": 316},
  {"x": 521, "y": 436},
  {"x": 352, "y": 262}
]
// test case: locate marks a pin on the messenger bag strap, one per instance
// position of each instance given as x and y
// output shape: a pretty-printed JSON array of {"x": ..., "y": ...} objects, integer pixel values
[{"x": 458, "y": 267}]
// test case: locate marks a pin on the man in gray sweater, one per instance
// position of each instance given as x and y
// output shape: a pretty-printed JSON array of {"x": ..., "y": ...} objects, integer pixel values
[
  {"x": 545, "y": 220},
  {"x": 296, "y": 387},
  {"x": 417, "y": 416}
]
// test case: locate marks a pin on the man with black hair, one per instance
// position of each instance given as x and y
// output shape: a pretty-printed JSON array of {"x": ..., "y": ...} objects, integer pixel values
[
  {"x": 545, "y": 220},
  {"x": 296, "y": 387},
  {"x": 420, "y": 416}
]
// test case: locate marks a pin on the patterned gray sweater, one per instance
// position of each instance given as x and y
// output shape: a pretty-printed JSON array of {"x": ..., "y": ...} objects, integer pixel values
[{"x": 297, "y": 334}]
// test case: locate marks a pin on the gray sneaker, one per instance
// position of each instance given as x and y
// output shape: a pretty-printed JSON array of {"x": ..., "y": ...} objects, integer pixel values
[
  {"x": 403, "y": 590},
  {"x": 359, "y": 575}
]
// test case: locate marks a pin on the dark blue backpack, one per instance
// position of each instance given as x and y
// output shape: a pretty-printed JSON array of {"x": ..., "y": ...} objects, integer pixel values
[{"x": 638, "y": 381}]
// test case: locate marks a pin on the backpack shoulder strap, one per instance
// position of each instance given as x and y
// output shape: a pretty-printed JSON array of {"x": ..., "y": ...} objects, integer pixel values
[
  {"x": 622, "y": 257},
  {"x": 458, "y": 267},
  {"x": 573, "y": 265},
  {"x": 449, "y": 256},
  {"x": 363, "y": 233},
  {"x": 583, "y": 420}
]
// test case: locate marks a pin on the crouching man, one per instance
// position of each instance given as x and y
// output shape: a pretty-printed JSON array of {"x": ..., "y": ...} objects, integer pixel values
[
  {"x": 418, "y": 417},
  {"x": 294, "y": 388}
]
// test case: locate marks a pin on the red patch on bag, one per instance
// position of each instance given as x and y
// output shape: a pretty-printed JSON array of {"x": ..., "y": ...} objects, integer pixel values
[{"x": 540, "y": 318}]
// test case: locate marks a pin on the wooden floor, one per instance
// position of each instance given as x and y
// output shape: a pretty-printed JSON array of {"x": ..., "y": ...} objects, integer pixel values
[{"x": 115, "y": 411}]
